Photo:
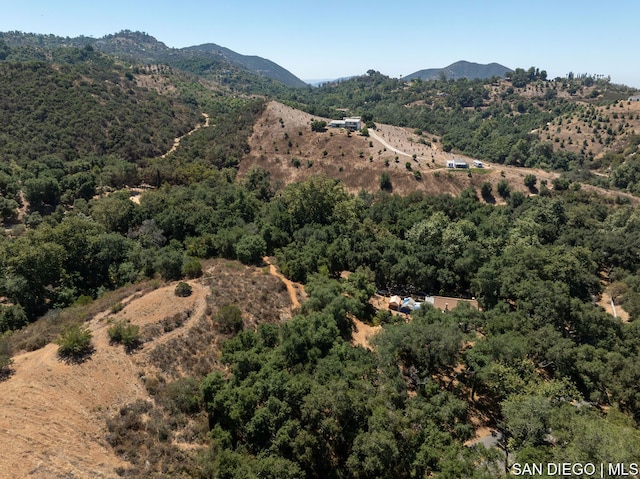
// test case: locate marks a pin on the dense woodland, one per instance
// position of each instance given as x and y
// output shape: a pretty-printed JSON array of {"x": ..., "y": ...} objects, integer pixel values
[{"x": 553, "y": 373}]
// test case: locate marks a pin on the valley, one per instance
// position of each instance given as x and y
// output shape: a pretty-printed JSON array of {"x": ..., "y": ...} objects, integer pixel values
[{"x": 195, "y": 268}]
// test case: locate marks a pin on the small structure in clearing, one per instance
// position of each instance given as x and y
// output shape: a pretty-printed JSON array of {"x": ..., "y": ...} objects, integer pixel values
[
  {"x": 409, "y": 305},
  {"x": 457, "y": 164},
  {"x": 350, "y": 123},
  {"x": 446, "y": 303},
  {"x": 395, "y": 302}
]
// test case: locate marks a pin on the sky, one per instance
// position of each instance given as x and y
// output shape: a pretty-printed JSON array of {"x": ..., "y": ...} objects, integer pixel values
[{"x": 332, "y": 39}]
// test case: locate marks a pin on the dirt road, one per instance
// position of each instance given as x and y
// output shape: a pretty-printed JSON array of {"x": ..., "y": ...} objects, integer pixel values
[
  {"x": 292, "y": 288},
  {"x": 377, "y": 137},
  {"x": 176, "y": 141}
]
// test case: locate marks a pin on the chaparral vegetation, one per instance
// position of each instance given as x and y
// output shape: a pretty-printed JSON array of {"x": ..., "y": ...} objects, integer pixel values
[{"x": 124, "y": 176}]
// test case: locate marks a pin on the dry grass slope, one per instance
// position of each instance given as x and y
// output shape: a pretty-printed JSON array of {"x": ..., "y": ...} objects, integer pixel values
[
  {"x": 284, "y": 133},
  {"x": 54, "y": 415}
]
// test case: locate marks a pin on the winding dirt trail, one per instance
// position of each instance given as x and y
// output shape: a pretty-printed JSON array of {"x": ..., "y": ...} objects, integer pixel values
[
  {"x": 292, "y": 288},
  {"x": 176, "y": 141},
  {"x": 22, "y": 210}
]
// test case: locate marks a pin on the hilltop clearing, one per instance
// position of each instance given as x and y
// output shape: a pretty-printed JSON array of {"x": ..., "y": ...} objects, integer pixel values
[{"x": 284, "y": 145}]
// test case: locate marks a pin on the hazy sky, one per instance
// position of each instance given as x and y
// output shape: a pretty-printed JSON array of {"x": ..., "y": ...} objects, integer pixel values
[{"x": 331, "y": 39}]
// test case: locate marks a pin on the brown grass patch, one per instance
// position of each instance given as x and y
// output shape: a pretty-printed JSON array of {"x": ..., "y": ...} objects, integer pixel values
[{"x": 130, "y": 414}]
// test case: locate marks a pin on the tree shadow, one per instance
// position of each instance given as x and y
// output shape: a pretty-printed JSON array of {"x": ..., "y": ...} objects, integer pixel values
[
  {"x": 132, "y": 347},
  {"x": 6, "y": 373},
  {"x": 489, "y": 199},
  {"x": 78, "y": 357}
]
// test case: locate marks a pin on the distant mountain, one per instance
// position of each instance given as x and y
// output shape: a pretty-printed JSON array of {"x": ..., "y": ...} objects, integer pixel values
[
  {"x": 143, "y": 48},
  {"x": 318, "y": 82},
  {"x": 461, "y": 69},
  {"x": 253, "y": 63}
]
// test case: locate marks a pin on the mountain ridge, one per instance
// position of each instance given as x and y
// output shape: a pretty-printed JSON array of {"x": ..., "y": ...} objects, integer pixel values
[
  {"x": 461, "y": 69},
  {"x": 145, "y": 48},
  {"x": 255, "y": 63}
]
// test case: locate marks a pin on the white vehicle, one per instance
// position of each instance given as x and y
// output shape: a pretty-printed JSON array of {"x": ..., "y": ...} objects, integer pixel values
[{"x": 478, "y": 164}]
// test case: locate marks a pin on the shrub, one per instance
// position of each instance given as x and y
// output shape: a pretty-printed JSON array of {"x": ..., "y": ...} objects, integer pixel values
[
  {"x": 503, "y": 189},
  {"x": 181, "y": 396},
  {"x": 386, "y": 317},
  {"x": 183, "y": 290},
  {"x": 83, "y": 300},
  {"x": 229, "y": 319},
  {"x": 75, "y": 344},
  {"x": 250, "y": 249},
  {"x": 530, "y": 181},
  {"x": 516, "y": 199},
  {"x": 12, "y": 318},
  {"x": 5, "y": 359},
  {"x": 486, "y": 190},
  {"x": 168, "y": 263},
  {"x": 192, "y": 268},
  {"x": 126, "y": 334},
  {"x": 560, "y": 184},
  {"x": 116, "y": 308},
  {"x": 385, "y": 182},
  {"x": 382, "y": 317},
  {"x": 318, "y": 125}
]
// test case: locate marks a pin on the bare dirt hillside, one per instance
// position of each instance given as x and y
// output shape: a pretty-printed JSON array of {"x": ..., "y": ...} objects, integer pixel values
[
  {"x": 284, "y": 144},
  {"x": 52, "y": 419},
  {"x": 53, "y": 414}
]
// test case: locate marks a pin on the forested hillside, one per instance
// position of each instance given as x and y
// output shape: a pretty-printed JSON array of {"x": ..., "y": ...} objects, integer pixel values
[
  {"x": 242, "y": 72},
  {"x": 83, "y": 109},
  {"x": 96, "y": 199}
]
